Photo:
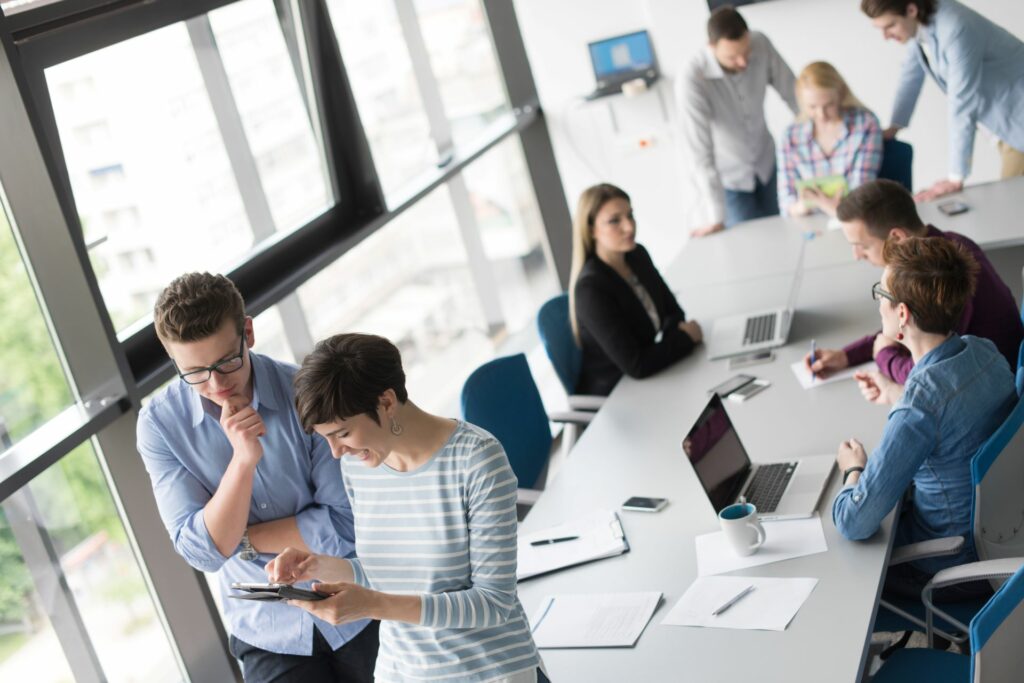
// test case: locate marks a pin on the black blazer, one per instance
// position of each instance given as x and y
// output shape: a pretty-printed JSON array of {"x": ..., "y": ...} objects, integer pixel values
[{"x": 615, "y": 331}]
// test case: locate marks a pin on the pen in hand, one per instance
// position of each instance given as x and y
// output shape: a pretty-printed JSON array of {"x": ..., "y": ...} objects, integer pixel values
[
  {"x": 814, "y": 353},
  {"x": 549, "y": 541},
  {"x": 746, "y": 591}
]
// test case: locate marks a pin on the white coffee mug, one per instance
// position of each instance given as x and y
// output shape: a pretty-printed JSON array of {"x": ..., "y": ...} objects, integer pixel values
[{"x": 742, "y": 529}]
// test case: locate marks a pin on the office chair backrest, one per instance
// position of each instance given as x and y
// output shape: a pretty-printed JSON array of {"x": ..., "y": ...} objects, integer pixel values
[
  {"x": 997, "y": 470},
  {"x": 898, "y": 163},
  {"x": 556, "y": 335},
  {"x": 1020, "y": 370},
  {"x": 997, "y": 632},
  {"x": 501, "y": 397}
]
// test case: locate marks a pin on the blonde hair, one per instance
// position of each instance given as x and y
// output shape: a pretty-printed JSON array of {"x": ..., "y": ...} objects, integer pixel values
[
  {"x": 590, "y": 202},
  {"x": 824, "y": 76}
]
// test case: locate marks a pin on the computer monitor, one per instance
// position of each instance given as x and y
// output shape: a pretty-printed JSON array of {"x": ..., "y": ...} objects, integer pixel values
[{"x": 623, "y": 58}]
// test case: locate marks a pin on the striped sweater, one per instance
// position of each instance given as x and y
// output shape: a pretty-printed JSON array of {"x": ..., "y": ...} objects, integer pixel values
[{"x": 447, "y": 532}]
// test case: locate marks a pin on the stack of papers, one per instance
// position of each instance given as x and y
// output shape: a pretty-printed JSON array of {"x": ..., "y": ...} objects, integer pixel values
[
  {"x": 770, "y": 606},
  {"x": 809, "y": 382},
  {"x": 597, "y": 620},
  {"x": 598, "y": 536},
  {"x": 784, "y": 540}
]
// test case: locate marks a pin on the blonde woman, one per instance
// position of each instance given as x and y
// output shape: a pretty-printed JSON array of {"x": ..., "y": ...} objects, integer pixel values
[
  {"x": 834, "y": 135},
  {"x": 624, "y": 316}
]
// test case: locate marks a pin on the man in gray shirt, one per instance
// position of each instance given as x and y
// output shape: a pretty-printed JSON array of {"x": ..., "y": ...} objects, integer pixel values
[{"x": 720, "y": 97}]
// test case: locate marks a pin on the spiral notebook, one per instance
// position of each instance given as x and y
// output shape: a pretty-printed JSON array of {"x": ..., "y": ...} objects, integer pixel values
[{"x": 597, "y": 536}]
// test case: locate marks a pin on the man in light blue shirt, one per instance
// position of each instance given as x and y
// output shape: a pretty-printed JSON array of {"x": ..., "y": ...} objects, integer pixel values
[
  {"x": 237, "y": 480},
  {"x": 977, "y": 64}
]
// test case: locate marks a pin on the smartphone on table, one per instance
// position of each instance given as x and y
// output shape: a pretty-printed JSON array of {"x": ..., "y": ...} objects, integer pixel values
[
  {"x": 730, "y": 385},
  {"x": 644, "y": 504}
]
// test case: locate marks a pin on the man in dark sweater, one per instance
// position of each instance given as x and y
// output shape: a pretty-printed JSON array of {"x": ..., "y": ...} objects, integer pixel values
[{"x": 881, "y": 210}]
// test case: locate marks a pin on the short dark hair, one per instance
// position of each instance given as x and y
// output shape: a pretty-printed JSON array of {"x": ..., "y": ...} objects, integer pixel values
[
  {"x": 882, "y": 205},
  {"x": 345, "y": 376},
  {"x": 726, "y": 22},
  {"x": 194, "y": 306},
  {"x": 934, "y": 277},
  {"x": 876, "y": 8}
]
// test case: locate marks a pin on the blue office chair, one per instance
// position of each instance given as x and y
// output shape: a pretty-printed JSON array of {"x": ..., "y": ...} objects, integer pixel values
[
  {"x": 997, "y": 470},
  {"x": 556, "y": 334},
  {"x": 997, "y": 632},
  {"x": 897, "y": 163},
  {"x": 501, "y": 397},
  {"x": 1020, "y": 370}
]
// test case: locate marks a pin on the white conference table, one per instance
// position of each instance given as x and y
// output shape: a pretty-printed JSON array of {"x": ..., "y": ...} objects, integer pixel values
[{"x": 633, "y": 448}]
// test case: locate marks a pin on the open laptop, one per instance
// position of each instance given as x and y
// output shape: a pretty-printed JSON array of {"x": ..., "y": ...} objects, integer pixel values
[
  {"x": 786, "y": 490},
  {"x": 747, "y": 332},
  {"x": 620, "y": 59}
]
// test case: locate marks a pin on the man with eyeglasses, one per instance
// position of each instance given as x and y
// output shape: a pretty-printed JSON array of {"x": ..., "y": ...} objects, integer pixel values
[
  {"x": 884, "y": 210},
  {"x": 237, "y": 481}
]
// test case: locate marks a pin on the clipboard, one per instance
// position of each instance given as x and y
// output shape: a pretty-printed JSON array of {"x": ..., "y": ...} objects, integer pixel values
[{"x": 599, "y": 536}]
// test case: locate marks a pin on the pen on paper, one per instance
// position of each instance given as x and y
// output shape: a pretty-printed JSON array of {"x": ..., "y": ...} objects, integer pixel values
[
  {"x": 549, "y": 541},
  {"x": 814, "y": 349},
  {"x": 547, "y": 608},
  {"x": 746, "y": 591}
]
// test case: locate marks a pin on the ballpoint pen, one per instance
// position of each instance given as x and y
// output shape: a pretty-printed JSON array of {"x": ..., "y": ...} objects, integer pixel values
[
  {"x": 814, "y": 353},
  {"x": 549, "y": 541},
  {"x": 746, "y": 591}
]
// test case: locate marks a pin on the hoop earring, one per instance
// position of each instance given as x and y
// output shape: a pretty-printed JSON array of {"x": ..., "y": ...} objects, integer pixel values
[{"x": 396, "y": 428}]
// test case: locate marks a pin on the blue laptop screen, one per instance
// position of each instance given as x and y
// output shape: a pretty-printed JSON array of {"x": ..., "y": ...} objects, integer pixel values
[{"x": 622, "y": 55}]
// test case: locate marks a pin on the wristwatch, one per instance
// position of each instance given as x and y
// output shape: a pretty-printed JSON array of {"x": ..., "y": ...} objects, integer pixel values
[
  {"x": 248, "y": 552},
  {"x": 850, "y": 470}
]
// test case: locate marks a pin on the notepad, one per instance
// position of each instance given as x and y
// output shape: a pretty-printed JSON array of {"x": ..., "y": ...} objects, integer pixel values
[
  {"x": 770, "y": 606},
  {"x": 592, "y": 620},
  {"x": 804, "y": 375},
  {"x": 600, "y": 535}
]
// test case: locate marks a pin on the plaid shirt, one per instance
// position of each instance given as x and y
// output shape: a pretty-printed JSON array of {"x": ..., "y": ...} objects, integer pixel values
[{"x": 857, "y": 155}]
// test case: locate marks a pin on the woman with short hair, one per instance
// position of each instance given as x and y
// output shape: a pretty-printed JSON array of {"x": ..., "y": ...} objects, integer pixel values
[
  {"x": 958, "y": 393},
  {"x": 434, "y": 503}
]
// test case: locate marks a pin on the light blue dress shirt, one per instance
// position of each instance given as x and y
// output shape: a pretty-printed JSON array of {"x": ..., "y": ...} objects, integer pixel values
[
  {"x": 186, "y": 453},
  {"x": 980, "y": 68},
  {"x": 956, "y": 396}
]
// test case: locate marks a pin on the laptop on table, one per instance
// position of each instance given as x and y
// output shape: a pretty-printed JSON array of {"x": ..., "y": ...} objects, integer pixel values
[
  {"x": 785, "y": 490},
  {"x": 748, "y": 332},
  {"x": 620, "y": 59}
]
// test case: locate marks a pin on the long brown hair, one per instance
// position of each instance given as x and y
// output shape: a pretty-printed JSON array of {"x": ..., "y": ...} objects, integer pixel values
[{"x": 591, "y": 201}]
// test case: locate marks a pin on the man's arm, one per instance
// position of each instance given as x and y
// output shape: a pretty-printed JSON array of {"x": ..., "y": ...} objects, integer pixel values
[
  {"x": 780, "y": 76},
  {"x": 327, "y": 526},
  {"x": 962, "y": 85},
  {"x": 695, "y": 116},
  {"x": 909, "y": 87}
]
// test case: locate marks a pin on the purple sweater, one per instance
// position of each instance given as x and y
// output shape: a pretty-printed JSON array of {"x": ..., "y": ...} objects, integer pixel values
[{"x": 991, "y": 313}]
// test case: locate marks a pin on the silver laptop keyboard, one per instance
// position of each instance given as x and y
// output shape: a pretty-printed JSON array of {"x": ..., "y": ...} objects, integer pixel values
[
  {"x": 768, "y": 484},
  {"x": 760, "y": 329}
]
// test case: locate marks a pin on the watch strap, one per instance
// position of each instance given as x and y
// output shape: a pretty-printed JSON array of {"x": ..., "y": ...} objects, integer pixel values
[{"x": 850, "y": 470}]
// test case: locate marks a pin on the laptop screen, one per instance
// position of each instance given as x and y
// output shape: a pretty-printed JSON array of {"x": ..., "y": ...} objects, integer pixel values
[
  {"x": 621, "y": 55},
  {"x": 717, "y": 456}
]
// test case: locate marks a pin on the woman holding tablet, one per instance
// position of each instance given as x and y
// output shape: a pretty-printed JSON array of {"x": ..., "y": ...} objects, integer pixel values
[
  {"x": 624, "y": 316},
  {"x": 834, "y": 145},
  {"x": 434, "y": 503},
  {"x": 957, "y": 395}
]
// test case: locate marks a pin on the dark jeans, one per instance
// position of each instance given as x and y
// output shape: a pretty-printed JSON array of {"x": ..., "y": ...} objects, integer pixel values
[
  {"x": 353, "y": 661},
  {"x": 541, "y": 678},
  {"x": 746, "y": 206}
]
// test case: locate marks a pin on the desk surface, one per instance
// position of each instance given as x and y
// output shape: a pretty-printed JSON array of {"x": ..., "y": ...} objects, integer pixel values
[{"x": 633, "y": 448}]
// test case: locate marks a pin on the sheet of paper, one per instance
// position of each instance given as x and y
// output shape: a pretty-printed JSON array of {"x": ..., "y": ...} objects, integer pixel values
[
  {"x": 769, "y": 607},
  {"x": 592, "y": 620},
  {"x": 599, "y": 536},
  {"x": 783, "y": 541},
  {"x": 800, "y": 370}
]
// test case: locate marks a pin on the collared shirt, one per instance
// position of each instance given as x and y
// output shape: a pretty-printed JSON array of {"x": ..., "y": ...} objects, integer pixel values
[
  {"x": 722, "y": 116},
  {"x": 186, "y": 453},
  {"x": 857, "y": 154},
  {"x": 955, "y": 399},
  {"x": 979, "y": 65},
  {"x": 991, "y": 313}
]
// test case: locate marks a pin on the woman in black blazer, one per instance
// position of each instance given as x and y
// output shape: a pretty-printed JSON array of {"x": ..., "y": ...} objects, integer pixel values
[{"x": 624, "y": 316}]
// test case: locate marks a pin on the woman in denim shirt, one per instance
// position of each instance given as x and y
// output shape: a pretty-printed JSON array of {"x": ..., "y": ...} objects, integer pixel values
[{"x": 957, "y": 395}]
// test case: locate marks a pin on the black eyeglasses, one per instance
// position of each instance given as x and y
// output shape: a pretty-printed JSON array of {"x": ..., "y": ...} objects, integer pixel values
[
  {"x": 224, "y": 367},
  {"x": 877, "y": 291}
]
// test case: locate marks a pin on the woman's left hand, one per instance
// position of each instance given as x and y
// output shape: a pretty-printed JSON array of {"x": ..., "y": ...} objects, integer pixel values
[
  {"x": 877, "y": 388},
  {"x": 821, "y": 200},
  {"x": 347, "y": 602}
]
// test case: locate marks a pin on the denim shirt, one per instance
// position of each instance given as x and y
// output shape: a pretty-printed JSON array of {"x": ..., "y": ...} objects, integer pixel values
[
  {"x": 955, "y": 398},
  {"x": 186, "y": 453}
]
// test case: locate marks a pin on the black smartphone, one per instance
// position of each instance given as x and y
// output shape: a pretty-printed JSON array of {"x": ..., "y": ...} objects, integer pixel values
[
  {"x": 643, "y": 504},
  {"x": 953, "y": 207},
  {"x": 730, "y": 385}
]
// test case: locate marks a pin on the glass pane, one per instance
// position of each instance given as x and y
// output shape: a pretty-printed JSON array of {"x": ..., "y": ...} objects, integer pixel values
[
  {"x": 33, "y": 387},
  {"x": 409, "y": 282},
  {"x": 153, "y": 180},
  {"x": 74, "y": 511},
  {"x": 465, "y": 66},
  {"x": 380, "y": 71},
  {"x": 512, "y": 232}
]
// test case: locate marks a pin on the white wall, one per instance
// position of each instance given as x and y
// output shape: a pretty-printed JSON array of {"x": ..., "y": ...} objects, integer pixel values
[{"x": 599, "y": 141}]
